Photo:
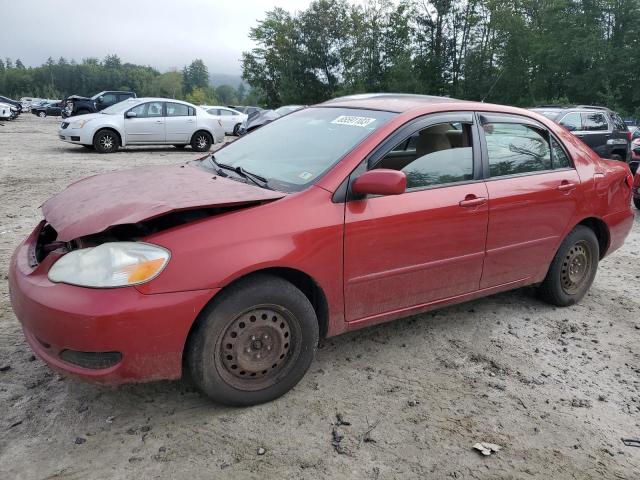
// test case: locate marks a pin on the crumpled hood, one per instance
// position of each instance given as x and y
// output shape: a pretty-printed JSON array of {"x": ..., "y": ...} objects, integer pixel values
[{"x": 96, "y": 203}]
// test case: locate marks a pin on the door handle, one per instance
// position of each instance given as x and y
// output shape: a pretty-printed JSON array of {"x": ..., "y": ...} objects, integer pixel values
[
  {"x": 472, "y": 201},
  {"x": 566, "y": 186},
  {"x": 159, "y": 121},
  {"x": 189, "y": 121}
]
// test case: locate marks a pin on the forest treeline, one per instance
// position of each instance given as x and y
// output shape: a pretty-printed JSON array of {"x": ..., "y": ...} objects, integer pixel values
[
  {"x": 518, "y": 52},
  {"x": 57, "y": 79}
]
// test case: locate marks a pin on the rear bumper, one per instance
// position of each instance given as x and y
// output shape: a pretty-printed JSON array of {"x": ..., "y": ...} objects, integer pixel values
[{"x": 149, "y": 331}]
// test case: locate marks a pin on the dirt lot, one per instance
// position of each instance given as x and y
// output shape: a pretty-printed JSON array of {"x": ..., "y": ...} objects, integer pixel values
[{"x": 557, "y": 388}]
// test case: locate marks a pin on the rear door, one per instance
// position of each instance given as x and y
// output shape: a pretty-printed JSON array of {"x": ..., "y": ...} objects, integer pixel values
[
  {"x": 147, "y": 126},
  {"x": 532, "y": 187},
  {"x": 427, "y": 244},
  {"x": 228, "y": 119},
  {"x": 181, "y": 122}
]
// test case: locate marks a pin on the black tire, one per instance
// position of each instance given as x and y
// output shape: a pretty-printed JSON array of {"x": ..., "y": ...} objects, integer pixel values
[
  {"x": 235, "y": 129},
  {"x": 616, "y": 156},
  {"x": 42, "y": 114},
  {"x": 180, "y": 146},
  {"x": 201, "y": 141},
  {"x": 636, "y": 202},
  {"x": 106, "y": 141},
  {"x": 573, "y": 268},
  {"x": 261, "y": 315}
]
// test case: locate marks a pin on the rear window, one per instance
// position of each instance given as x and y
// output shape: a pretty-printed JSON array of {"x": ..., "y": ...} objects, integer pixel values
[{"x": 618, "y": 122}]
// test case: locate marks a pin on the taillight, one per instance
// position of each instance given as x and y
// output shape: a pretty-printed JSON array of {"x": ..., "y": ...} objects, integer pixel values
[{"x": 629, "y": 180}]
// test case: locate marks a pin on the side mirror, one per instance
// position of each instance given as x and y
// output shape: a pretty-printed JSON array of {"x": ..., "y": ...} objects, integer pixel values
[
  {"x": 380, "y": 182},
  {"x": 131, "y": 114}
]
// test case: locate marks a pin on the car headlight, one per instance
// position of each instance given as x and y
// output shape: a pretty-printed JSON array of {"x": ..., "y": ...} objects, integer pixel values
[
  {"x": 79, "y": 123},
  {"x": 114, "y": 264}
]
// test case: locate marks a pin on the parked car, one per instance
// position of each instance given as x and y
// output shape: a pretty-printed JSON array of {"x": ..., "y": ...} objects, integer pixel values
[
  {"x": 78, "y": 105},
  {"x": 231, "y": 119},
  {"x": 52, "y": 109},
  {"x": 336, "y": 217},
  {"x": 10, "y": 101},
  {"x": 600, "y": 128},
  {"x": 144, "y": 121},
  {"x": 267, "y": 116},
  {"x": 250, "y": 111},
  {"x": 634, "y": 163},
  {"x": 636, "y": 189},
  {"x": 8, "y": 112}
]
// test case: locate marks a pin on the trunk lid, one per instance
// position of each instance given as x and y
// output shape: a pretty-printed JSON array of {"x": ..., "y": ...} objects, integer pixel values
[{"x": 96, "y": 203}]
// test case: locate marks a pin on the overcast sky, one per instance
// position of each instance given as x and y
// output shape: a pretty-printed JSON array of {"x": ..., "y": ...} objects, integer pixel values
[{"x": 161, "y": 33}]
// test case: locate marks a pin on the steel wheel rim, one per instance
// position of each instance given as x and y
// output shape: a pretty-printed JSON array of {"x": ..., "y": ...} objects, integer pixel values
[
  {"x": 576, "y": 267},
  {"x": 106, "y": 141},
  {"x": 42, "y": 114},
  {"x": 202, "y": 141},
  {"x": 247, "y": 360}
]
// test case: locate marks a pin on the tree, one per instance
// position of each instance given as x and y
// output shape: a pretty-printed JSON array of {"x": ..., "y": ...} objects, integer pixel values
[
  {"x": 19, "y": 64},
  {"x": 202, "y": 96},
  {"x": 227, "y": 95},
  {"x": 196, "y": 75}
]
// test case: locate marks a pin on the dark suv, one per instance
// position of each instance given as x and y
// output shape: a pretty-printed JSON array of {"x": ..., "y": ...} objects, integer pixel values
[
  {"x": 77, "y": 105},
  {"x": 600, "y": 128}
]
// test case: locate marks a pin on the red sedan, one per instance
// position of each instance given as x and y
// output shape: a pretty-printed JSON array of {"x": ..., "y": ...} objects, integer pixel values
[{"x": 340, "y": 216}]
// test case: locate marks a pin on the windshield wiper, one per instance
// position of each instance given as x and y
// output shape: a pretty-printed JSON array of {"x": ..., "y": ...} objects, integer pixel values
[{"x": 253, "y": 177}]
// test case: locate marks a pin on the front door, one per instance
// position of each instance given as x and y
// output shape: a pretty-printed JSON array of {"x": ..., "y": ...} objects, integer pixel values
[
  {"x": 147, "y": 126},
  {"x": 532, "y": 189},
  {"x": 428, "y": 243}
]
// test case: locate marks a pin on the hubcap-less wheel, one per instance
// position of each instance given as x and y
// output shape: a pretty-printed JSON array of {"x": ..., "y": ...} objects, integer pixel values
[
  {"x": 106, "y": 142},
  {"x": 257, "y": 347},
  {"x": 202, "y": 141},
  {"x": 576, "y": 267}
]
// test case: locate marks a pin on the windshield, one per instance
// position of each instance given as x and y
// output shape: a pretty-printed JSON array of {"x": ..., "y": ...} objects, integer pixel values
[
  {"x": 294, "y": 151},
  {"x": 120, "y": 107}
]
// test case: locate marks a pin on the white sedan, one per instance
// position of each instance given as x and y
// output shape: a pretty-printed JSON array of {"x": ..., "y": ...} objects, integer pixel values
[
  {"x": 144, "y": 121},
  {"x": 231, "y": 119}
]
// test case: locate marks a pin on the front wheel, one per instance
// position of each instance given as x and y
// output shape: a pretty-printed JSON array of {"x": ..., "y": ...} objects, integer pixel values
[
  {"x": 254, "y": 342},
  {"x": 42, "y": 114},
  {"x": 573, "y": 268},
  {"x": 106, "y": 141},
  {"x": 201, "y": 141}
]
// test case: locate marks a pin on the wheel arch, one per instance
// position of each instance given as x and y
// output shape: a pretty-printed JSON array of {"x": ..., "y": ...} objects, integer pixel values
[
  {"x": 601, "y": 230},
  {"x": 108, "y": 127},
  {"x": 301, "y": 280}
]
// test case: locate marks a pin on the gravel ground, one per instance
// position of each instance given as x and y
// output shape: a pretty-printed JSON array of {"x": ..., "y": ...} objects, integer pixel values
[{"x": 556, "y": 388}]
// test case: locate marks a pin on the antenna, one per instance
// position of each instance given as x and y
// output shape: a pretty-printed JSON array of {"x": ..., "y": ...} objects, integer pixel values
[{"x": 491, "y": 89}]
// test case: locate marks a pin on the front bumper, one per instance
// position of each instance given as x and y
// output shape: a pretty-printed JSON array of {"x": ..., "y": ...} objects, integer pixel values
[
  {"x": 74, "y": 135},
  {"x": 148, "y": 331}
]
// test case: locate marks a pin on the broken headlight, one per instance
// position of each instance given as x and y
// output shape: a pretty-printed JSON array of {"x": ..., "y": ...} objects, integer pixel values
[{"x": 114, "y": 264}]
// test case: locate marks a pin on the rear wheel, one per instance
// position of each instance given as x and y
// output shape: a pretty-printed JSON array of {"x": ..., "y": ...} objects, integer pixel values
[
  {"x": 573, "y": 268},
  {"x": 235, "y": 129},
  {"x": 616, "y": 156},
  {"x": 42, "y": 114},
  {"x": 106, "y": 141},
  {"x": 254, "y": 342},
  {"x": 201, "y": 141}
]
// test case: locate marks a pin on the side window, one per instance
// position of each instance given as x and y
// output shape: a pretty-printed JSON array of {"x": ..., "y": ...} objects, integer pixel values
[
  {"x": 109, "y": 99},
  {"x": 123, "y": 96},
  {"x": 436, "y": 155},
  {"x": 225, "y": 113},
  {"x": 515, "y": 148},
  {"x": 593, "y": 122},
  {"x": 572, "y": 122},
  {"x": 145, "y": 110},
  {"x": 213, "y": 111},
  {"x": 178, "y": 110},
  {"x": 559, "y": 157}
]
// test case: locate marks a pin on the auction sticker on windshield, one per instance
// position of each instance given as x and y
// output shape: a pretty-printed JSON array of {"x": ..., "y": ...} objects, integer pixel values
[{"x": 354, "y": 121}]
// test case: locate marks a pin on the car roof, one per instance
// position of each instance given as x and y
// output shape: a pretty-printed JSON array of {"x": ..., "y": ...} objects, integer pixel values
[{"x": 390, "y": 102}]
